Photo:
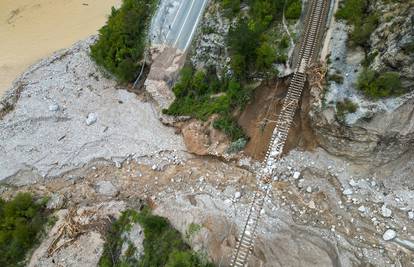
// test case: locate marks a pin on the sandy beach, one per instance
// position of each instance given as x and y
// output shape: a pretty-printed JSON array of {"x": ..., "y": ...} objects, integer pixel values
[{"x": 33, "y": 29}]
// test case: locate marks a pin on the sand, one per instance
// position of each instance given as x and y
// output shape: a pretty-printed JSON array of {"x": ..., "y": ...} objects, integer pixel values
[{"x": 33, "y": 29}]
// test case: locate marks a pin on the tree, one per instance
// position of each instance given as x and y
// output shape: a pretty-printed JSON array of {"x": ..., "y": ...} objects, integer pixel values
[
  {"x": 265, "y": 57},
  {"x": 122, "y": 40}
]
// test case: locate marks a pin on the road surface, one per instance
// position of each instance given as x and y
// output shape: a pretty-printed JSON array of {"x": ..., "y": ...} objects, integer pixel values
[{"x": 176, "y": 21}]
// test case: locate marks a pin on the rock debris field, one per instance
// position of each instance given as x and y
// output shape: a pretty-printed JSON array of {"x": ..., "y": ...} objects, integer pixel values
[{"x": 68, "y": 114}]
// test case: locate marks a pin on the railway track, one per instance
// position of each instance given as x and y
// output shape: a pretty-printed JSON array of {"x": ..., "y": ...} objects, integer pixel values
[{"x": 313, "y": 31}]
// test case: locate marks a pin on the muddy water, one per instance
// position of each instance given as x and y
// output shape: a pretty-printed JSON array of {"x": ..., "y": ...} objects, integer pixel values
[{"x": 33, "y": 29}]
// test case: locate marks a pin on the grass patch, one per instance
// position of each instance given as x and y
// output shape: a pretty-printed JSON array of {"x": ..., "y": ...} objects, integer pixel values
[
  {"x": 345, "y": 107},
  {"x": 122, "y": 40},
  {"x": 22, "y": 219},
  {"x": 379, "y": 85},
  {"x": 163, "y": 245}
]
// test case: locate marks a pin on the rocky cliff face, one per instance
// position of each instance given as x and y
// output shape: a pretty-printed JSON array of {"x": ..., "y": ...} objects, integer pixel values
[
  {"x": 393, "y": 40},
  {"x": 380, "y": 130},
  {"x": 385, "y": 137}
]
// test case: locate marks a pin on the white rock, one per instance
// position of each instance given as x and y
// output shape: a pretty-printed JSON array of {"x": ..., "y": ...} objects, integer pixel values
[
  {"x": 237, "y": 195},
  {"x": 386, "y": 212},
  {"x": 362, "y": 209},
  {"x": 353, "y": 183},
  {"x": 411, "y": 215},
  {"x": 312, "y": 204},
  {"x": 262, "y": 212},
  {"x": 389, "y": 235},
  {"x": 53, "y": 107},
  {"x": 309, "y": 189},
  {"x": 348, "y": 192},
  {"x": 296, "y": 175},
  {"x": 56, "y": 201},
  {"x": 91, "y": 119},
  {"x": 106, "y": 188}
]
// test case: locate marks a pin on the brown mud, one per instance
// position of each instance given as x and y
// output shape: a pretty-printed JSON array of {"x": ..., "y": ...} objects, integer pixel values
[{"x": 259, "y": 119}]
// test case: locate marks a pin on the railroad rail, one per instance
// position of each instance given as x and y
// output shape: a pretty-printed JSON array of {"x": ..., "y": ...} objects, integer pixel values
[{"x": 309, "y": 46}]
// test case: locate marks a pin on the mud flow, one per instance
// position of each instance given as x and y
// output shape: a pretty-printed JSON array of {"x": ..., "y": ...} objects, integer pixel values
[{"x": 260, "y": 116}]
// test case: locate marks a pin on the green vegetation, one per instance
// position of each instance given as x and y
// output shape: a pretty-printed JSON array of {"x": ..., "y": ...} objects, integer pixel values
[
  {"x": 237, "y": 145},
  {"x": 123, "y": 39},
  {"x": 22, "y": 220},
  {"x": 336, "y": 77},
  {"x": 379, "y": 85},
  {"x": 409, "y": 47},
  {"x": 193, "y": 228},
  {"x": 201, "y": 94},
  {"x": 294, "y": 10},
  {"x": 256, "y": 45},
  {"x": 345, "y": 107},
  {"x": 358, "y": 13},
  {"x": 111, "y": 255},
  {"x": 163, "y": 245}
]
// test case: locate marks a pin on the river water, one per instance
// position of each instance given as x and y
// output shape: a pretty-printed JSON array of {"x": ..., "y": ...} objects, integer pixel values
[{"x": 33, "y": 29}]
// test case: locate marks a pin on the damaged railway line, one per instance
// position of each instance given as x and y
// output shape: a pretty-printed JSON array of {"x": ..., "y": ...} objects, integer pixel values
[{"x": 314, "y": 29}]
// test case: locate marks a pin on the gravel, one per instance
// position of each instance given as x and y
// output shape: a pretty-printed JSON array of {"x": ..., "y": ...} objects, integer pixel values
[{"x": 41, "y": 143}]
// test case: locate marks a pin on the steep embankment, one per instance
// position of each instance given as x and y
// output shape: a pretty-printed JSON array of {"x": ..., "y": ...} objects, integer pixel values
[{"x": 358, "y": 124}]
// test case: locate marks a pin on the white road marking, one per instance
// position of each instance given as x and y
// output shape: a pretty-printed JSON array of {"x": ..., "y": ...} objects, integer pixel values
[
  {"x": 175, "y": 18},
  {"x": 185, "y": 20},
  {"x": 195, "y": 24}
]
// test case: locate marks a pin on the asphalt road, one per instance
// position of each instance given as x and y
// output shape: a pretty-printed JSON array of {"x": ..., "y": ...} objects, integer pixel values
[{"x": 176, "y": 21}]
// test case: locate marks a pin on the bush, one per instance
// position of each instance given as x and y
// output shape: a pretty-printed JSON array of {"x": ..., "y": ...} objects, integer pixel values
[
  {"x": 237, "y": 146},
  {"x": 294, "y": 10},
  {"x": 345, "y": 107},
  {"x": 358, "y": 14},
  {"x": 21, "y": 221},
  {"x": 231, "y": 5},
  {"x": 229, "y": 126},
  {"x": 375, "y": 85},
  {"x": 163, "y": 245},
  {"x": 336, "y": 77},
  {"x": 111, "y": 255},
  {"x": 122, "y": 40},
  {"x": 196, "y": 96}
]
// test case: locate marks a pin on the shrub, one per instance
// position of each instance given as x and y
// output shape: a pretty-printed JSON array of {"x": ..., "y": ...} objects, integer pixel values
[
  {"x": 163, "y": 245},
  {"x": 195, "y": 97},
  {"x": 111, "y": 255},
  {"x": 266, "y": 56},
  {"x": 358, "y": 14},
  {"x": 122, "y": 40},
  {"x": 375, "y": 85},
  {"x": 294, "y": 10},
  {"x": 237, "y": 145},
  {"x": 229, "y": 126},
  {"x": 345, "y": 107},
  {"x": 231, "y": 5},
  {"x": 21, "y": 221},
  {"x": 336, "y": 77}
]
